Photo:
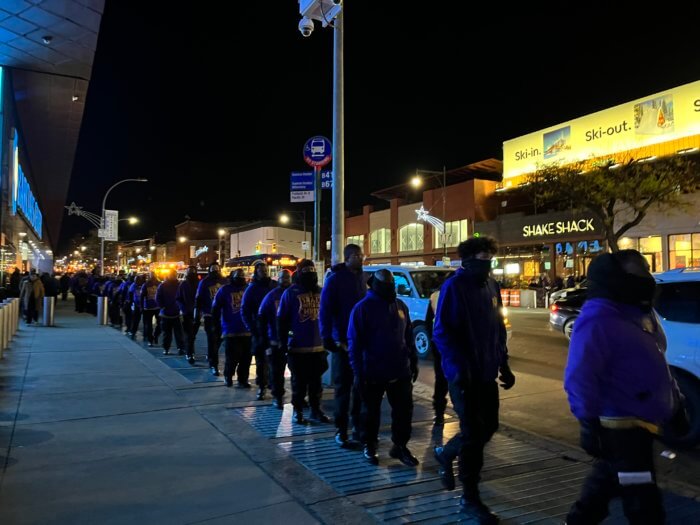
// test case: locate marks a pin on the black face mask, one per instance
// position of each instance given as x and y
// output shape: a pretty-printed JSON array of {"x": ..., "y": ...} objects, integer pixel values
[
  {"x": 238, "y": 281},
  {"x": 308, "y": 281},
  {"x": 386, "y": 291},
  {"x": 637, "y": 290},
  {"x": 479, "y": 268}
]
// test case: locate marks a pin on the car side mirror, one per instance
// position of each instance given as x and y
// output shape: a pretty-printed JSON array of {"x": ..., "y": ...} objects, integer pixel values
[{"x": 404, "y": 290}]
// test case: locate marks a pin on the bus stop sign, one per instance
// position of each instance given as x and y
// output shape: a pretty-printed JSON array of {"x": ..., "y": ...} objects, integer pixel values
[{"x": 317, "y": 151}]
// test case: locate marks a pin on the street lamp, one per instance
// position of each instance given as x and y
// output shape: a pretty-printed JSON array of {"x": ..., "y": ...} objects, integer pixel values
[
  {"x": 329, "y": 12},
  {"x": 182, "y": 239},
  {"x": 284, "y": 219},
  {"x": 130, "y": 220},
  {"x": 102, "y": 222},
  {"x": 441, "y": 176},
  {"x": 221, "y": 232}
]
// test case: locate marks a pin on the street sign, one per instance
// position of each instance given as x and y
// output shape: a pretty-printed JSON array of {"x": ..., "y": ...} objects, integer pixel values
[
  {"x": 111, "y": 226},
  {"x": 326, "y": 180},
  {"x": 317, "y": 151},
  {"x": 302, "y": 187},
  {"x": 306, "y": 245}
]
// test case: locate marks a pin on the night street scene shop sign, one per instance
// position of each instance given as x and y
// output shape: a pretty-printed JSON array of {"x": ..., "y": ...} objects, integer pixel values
[{"x": 558, "y": 228}]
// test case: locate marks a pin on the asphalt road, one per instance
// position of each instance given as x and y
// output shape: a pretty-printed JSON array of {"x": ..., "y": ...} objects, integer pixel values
[{"x": 538, "y": 403}]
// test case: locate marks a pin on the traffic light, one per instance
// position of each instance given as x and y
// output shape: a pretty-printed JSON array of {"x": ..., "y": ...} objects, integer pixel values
[
  {"x": 274, "y": 247},
  {"x": 257, "y": 248}
]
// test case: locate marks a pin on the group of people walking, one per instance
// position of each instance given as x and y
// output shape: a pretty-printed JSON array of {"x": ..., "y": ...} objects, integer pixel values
[{"x": 617, "y": 379}]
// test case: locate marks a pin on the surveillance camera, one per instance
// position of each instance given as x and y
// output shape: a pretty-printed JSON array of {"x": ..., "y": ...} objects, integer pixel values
[{"x": 306, "y": 27}]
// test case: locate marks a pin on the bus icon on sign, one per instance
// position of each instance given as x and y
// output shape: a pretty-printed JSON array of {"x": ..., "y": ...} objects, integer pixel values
[{"x": 318, "y": 148}]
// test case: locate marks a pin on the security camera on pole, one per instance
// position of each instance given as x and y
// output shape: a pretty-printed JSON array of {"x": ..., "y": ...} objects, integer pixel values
[{"x": 317, "y": 153}]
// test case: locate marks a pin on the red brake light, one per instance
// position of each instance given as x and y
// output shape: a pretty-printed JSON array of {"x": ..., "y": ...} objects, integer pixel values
[{"x": 554, "y": 307}]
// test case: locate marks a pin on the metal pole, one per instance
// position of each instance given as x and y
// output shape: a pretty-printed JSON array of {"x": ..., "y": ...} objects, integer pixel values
[
  {"x": 303, "y": 212},
  {"x": 338, "y": 219},
  {"x": 317, "y": 213},
  {"x": 102, "y": 220},
  {"x": 444, "y": 216}
]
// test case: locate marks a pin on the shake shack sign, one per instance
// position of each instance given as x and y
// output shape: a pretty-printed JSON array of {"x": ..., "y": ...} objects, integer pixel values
[{"x": 558, "y": 228}]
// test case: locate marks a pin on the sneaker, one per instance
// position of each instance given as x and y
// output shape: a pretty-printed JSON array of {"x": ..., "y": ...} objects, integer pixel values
[
  {"x": 243, "y": 384},
  {"x": 278, "y": 403},
  {"x": 166, "y": 352},
  {"x": 228, "y": 381},
  {"x": 190, "y": 359},
  {"x": 214, "y": 371},
  {"x": 341, "y": 439},
  {"x": 299, "y": 417},
  {"x": 370, "y": 456},
  {"x": 403, "y": 455},
  {"x": 260, "y": 395},
  {"x": 475, "y": 508},
  {"x": 150, "y": 345},
  {"x": 446, "y": 471}
]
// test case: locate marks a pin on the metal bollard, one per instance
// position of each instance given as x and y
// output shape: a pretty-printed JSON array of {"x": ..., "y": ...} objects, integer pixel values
[
  {"x": 3, "y": 313},
  {"x": 102, "y": 310},
  {"x": 49, "y": 306},
  {"x": 4, "y": 323},
  {"x": 12, "y": 316}
]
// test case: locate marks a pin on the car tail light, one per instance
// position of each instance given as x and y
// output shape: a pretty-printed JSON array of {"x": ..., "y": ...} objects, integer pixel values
[{"x": 554, "y": 307}]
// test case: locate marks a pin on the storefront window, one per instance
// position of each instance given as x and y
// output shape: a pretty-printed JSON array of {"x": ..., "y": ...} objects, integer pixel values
[
  {"x": 411, "y": 238},
  {"x": 380, "y": 241},
  {"x": 628, "y": 243},
  {"x": 684, "y": 250},
  {"x": 356, "y": 239},
  {"x": 455, "y": 231},
  {"x": 650, "y": 247}
]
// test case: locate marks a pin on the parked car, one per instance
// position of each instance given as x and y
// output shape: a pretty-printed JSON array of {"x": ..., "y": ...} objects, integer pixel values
[
  {"x": 563, "y": 313},
  {"x": 677, "y": 306},
  {"x": 414, "y": 285},
  {"x": 578, "y": 289}
]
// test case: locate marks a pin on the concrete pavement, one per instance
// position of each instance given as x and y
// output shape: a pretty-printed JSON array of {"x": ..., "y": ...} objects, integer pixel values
[{"x": 95, "y": 428}]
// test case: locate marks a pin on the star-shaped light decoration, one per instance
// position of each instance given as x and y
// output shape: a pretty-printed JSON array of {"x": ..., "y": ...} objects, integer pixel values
[
  {"x": 73, "y": 209},
  {"x": 422, "y": 214}
]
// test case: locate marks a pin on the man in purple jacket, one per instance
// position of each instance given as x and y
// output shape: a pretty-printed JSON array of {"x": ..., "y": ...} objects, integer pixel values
[
  {"x": 344, "y": 287},
  {"x": 186, "y": 292},
  {"x": 470, "y": 335},
  {"x": 383, "y": 359},
  {"x": 300, "y": 338},
  {"x": 166, "y": 299},
  {"x": 267, "y": 318},
  {"x": 620, "y": 389},
  {"x": 227, "y": 306},
  {"x": 258, "y": 288}
]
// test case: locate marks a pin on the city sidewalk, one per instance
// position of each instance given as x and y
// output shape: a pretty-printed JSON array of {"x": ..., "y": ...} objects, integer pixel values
[{"x": 95, "y": 428}]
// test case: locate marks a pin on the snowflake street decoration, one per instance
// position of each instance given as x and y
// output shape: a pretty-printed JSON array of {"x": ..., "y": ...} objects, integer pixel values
[{"x": 424, "y": 216}]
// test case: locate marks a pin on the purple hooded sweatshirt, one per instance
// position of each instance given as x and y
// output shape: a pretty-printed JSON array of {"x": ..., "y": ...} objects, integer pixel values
[{"x": 616, "y": 365}]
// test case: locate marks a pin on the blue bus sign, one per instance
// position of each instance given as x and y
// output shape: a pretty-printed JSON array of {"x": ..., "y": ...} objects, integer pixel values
[{"x": 317, "y": 151}]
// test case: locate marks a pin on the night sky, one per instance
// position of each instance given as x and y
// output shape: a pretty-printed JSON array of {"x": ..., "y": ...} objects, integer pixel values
[{"x": 214, "y": 108}]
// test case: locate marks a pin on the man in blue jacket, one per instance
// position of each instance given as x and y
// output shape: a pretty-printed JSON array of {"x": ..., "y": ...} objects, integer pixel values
[
  {"x": 252, "y": 298},
  {"x": 206, "y": 291},
  {"x": 383, "y": 359},
  {"x": 344, "y": 287},
  {"x": 620, "y": 389},
  {"x": 186, "y": 293},
  {"x": 267, "y": 318},
  {"x": 149, "y": 309},
  {"x": 166, "y": 298},
  {"x": 300, "y": 338},
  {"x": 227, "y": 306},
  {"x": 470, "y": 334}
]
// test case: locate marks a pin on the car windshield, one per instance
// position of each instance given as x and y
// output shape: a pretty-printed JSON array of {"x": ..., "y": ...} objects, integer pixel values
[{"x": 428, "y": 281}]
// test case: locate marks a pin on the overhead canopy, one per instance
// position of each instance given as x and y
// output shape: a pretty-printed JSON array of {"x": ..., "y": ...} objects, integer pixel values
[{"x": 48, "y": 50}]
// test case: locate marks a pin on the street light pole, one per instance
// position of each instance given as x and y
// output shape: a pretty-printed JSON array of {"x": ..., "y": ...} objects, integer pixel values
[
  {"x": 338, "y": 206},
  {"x": 444, "y": 216},
  {"x": 102, "y": 221}
]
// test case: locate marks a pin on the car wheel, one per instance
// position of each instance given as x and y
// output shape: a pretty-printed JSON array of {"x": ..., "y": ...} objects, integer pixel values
[
  {"x": 690, "y": 388},
  {"x": 569, "y": 328},
  {"x": 421, "y": 340}
]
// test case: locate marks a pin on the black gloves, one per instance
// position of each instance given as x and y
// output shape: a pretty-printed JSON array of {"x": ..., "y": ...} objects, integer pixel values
[
  {"x": 506, "y": 378},
  {"x": 590, "y": 437},
  {"x": 329, "y": 344},
  {"x": 414, "y": 372}
]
